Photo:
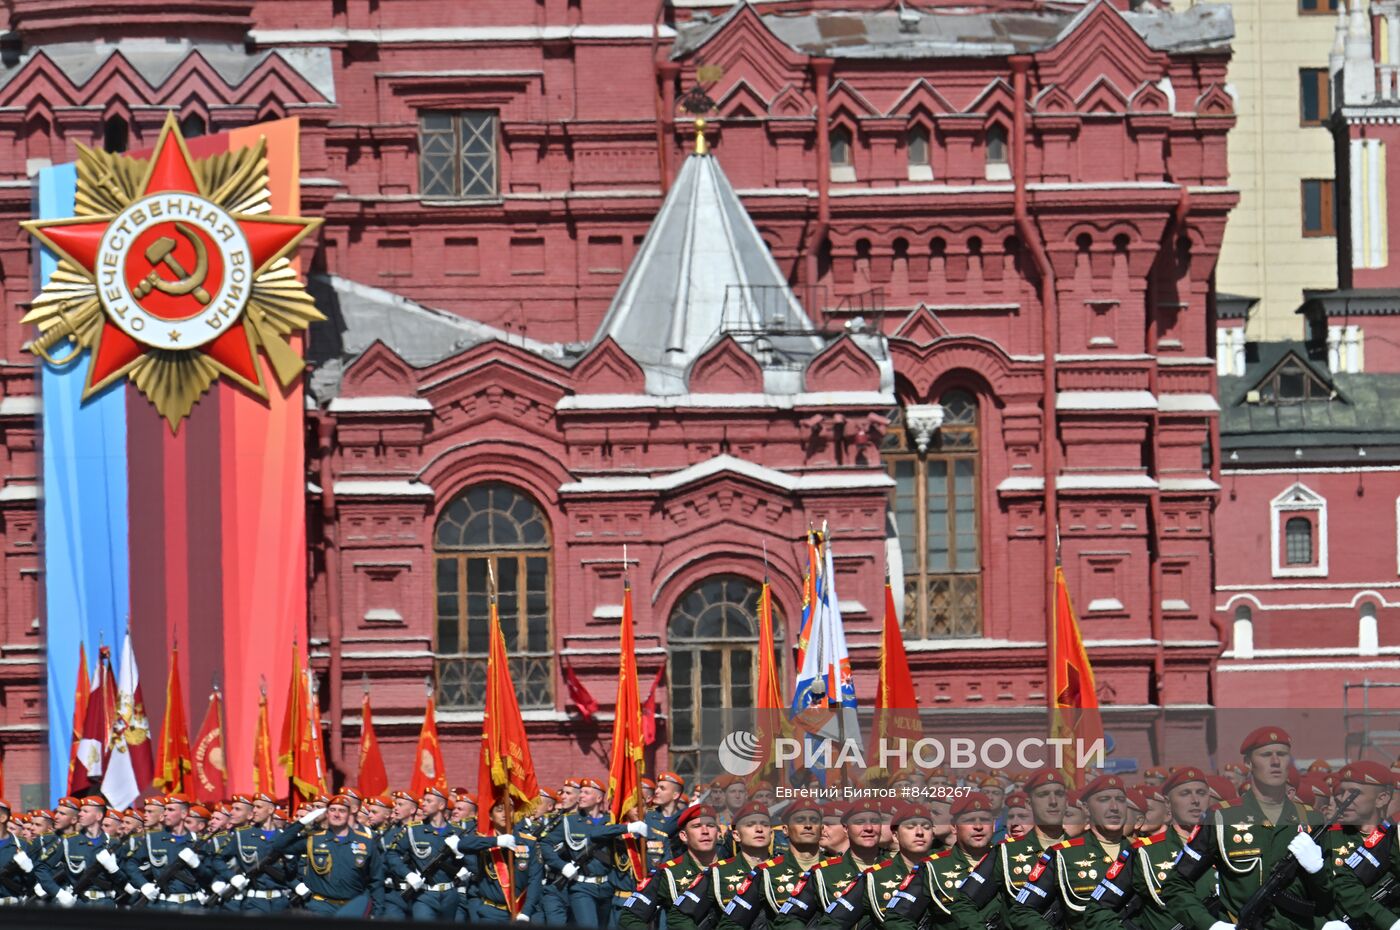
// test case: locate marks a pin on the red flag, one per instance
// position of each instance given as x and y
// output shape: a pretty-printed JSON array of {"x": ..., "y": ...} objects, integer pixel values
[
  {"x": 584, "y": 701},
  {"x": 625, "y": 772},
  {"x": 1074, "y": 700},
  {"x": 428, "y": 769},
  {"x": 896, "y": 706},
  {"x": 299, "y": 751},
  {"x": 772, "y": 717},
  {"x": 101, "y": 713},
  {"x": 80, "y": 700},
  {"x": 264, "y": 775},
  {"x": 649, "y": 708},
  {"x": 210, "y": 773},
  {"x": 505, "y": 772},
  {"x": 372, "y": 779},
  {"x": 174, "y": 762}
]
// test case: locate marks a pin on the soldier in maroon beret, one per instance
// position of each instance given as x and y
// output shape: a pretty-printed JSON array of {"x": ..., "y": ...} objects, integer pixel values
[
  {"x": 767, "y": 887},
  {"x": 865, "y": 902},
  {"x": 698, "y": 827}
]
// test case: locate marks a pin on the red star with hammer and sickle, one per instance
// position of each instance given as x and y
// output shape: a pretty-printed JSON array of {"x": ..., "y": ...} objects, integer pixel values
[{"x": 170, "y": 171}]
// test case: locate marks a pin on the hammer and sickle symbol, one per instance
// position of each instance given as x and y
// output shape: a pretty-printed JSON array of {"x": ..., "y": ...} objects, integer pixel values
[{"x": 161, "y": 252}]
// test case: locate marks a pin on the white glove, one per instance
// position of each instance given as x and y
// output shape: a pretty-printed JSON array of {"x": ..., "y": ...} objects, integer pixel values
[
  {"x": 452, "y": 842},
  {"x": 66, "y": 898},
  {"x": 218, "y": 888},
  {"x": 106, "y": 860},
  {"x": 569, "y": 870},
  {"x": 189, "y": 857},
  {"x": 506, "y": 841},
  {"x": 239, "y": 882},
  {"x": 1222, "y": 925},
  {"x": 149, "y": 891},
  {"x": 130, "y": 891},
  {"x": 524, "y": 917},
  {"x": 39, "y": 892},
  {"x": 311, "y": 816},
  {"x": 26, "y": 864},
  {"x": 201, "y": 897},
  {"x": 1394, "y": 926},
  {"x": 463, "y": 874},
  {"x": 1309, "y": 855},
  {"x": 414, "y": 880},
  {"x": 1338, "y": 925},
  {"x": 302, "y": 891},
  {"x": 638, "y": 828}
]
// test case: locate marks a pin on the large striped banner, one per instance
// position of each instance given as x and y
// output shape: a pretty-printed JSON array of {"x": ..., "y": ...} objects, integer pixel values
[{"x": 196, "y": 536}]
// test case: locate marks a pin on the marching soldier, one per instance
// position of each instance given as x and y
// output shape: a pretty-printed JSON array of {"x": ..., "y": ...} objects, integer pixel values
[
  {"x": 16, "y": 865},
  {"x": 341, "y": 868},
  {"x": 861, "y": 824},
  {"x": 712, "y": 890},
  {"x": 82, "y": 855},
  {"x": 577, "y": 849},
  {"x": 166, "y": 868},
  {"x": 510, "y": 876},
  {"x": 255, "y": 845},
  {"x": 1133, "y": 885},
  {"x": 635, "y": 857},
  {"x": 417, "y": 858},
  {"x": 699, "y": 832},
  {"x": 1064, "y": 878},
  {"x": 767, "y": 887},
  {"x": 930, "y": 893},
  {"x": 554, "y": 897},
  {"x": 405, "y": 809},
  {"x": 1244, "y": 841},
  {"x": 864, "y": 903},
  {"x": 1377, "y": 857}
]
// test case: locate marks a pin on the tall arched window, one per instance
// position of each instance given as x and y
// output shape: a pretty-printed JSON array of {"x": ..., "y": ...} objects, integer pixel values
[
  {"x": 937, "y": 515},
  {"x": 712, "y": 639},
  {"x": 1298, "y": 540},
  {"x": 493, "y": 527}
]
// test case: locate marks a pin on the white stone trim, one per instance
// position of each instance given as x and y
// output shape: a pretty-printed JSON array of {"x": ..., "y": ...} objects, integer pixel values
[
  {"x": 1303, "y": 500},
  {"x": 1320, "y": 470},
  {"x": 381, "y": 487},
  {"x": 1105, "y": 400},
  {"x": 455, "y": 34},
  {"x": 1188, "y": 403},
  {"x": 20, "y": 405},
  {"x": 1099, "y": 482},
  {"x": 725, "y": 401},
  {"x": 670, "y": 481},
  {"x": 379, "y": 405},
  {"x": 26, "y": 491},
  {"x": 1188, "y": 484}
]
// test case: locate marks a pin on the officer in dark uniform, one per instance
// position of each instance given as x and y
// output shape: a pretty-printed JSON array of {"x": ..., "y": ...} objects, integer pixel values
[
  {"x": 341, "y": 867},
  {"x": 509, "y": 876},
  {"x": 16, "y": 865},
  {"x": 416, "y": 858},
  {"x": 578, "y": 849},
  {"x": 635, "y": 857},
  {"x": 659, "y": 894},
  {"x": 78, "y": 853},
  {"x": 1243, "y": 842},
  {"x": 766, "y": 888},
  {"x": 256, "y": 840},
  {"x": 554, "y": 897},
  {"x": 166, "y": 867}
]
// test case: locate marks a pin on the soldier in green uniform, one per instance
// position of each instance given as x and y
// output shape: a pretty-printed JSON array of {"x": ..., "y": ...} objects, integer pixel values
[
  {"x": 1374, "y": 862},
  {"x": 830, "y": 878},
  {"x": 1133, "y": 885},
  {"x": 766, "y": 889},
  {"x": 934, "y": 892},
  {"x": 518, "y": 865},
  {"x": 342, "y": 868},
  {"x": 864, "y": 904},
  {"x": 1001, "y": 874},
  {"x": 1064, "y": 878},
  {"x": 698, "y": 829},
  {"x": 1243, "y": 842},
  {"x": 711, "y": 892}
]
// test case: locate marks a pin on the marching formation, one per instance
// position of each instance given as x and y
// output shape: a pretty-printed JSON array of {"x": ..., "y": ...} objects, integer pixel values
[{"x": 1258, "y": 846}]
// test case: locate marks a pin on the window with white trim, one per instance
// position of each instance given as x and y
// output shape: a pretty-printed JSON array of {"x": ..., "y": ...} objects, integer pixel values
[
  {"x": 1298, "y": 533},
  {"x": 1244, "y": 632}
]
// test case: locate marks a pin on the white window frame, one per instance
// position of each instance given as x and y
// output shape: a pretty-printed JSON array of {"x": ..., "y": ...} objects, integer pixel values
[{"x": 1298, "y": 499}]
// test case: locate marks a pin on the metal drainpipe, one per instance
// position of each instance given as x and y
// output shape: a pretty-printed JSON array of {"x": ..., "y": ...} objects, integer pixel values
[
  {"x": 821, "y": 71},
  {"x": 1049, "y": 302},
  {"x": 325, "y": 434}
]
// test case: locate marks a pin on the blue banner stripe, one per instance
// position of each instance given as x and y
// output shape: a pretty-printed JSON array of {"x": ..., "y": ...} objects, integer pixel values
[{"x": 85, "y": 536}]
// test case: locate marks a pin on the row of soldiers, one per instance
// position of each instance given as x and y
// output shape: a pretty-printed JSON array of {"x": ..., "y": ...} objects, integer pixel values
[{"x": 1182, "y": 850}]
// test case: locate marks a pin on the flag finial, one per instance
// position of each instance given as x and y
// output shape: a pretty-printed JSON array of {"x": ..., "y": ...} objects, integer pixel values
[
  {"x": 428, "y": 685},
  {"x": 364, "y": 683}
]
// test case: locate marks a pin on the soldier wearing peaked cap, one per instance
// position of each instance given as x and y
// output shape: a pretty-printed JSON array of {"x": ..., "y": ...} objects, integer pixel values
[
  {"x": 766, "y": 888},
  {"x": 1243, "y": 842},
  {"x": 660, "y": 893},
  {"x": 416, "y": 858},
  {"x": 1373, "y": 856},
  {"x": 1068, "y": 873},
  {"x": 340, "y": 866},
  {"x": 509, "y": 876},
  {"x": 831, "y": 878},
  {"x": 578, "y": 847}
]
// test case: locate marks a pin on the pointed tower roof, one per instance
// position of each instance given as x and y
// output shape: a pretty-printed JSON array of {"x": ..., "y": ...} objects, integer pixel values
[{"x": 704, "y": 272}]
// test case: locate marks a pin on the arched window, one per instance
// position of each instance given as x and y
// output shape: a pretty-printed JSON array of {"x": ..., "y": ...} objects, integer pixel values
[
  {"x": 916, "y": 145},
  {"x": 712, "y": 640},
  {"x": 841, "y": 145},
  {"x": 937, "y": 515},
  {"x": 493, "y": 528},
  {"x": 116, "y": 135},
  {"x": 1298, "y": 538},
  {"x": 192, "y": 126},
  {"x": 1244, "y": 632},
  {"x": 998, "y": 156}
]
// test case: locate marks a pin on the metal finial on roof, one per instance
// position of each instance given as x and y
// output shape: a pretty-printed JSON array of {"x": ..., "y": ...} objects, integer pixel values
[{"x": 702, "y": 145}]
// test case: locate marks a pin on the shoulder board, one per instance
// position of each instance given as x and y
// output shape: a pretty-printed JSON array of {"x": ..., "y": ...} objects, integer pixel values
[
  {"x": 527, "y": 836},
  {"x": 414, "y": 823},
  {"x": 769, "y": 863},
  {"x": 671, "y": 862},
  {"x": 940, "y": 855},
  {"x": 220, "y": 833},
  {"x": 361, "y": 832},
  {"x": 832, "y": 861},
  {"x": 725, "y": 861},
  {"x": 884, "y": 865},
  {"x": 1224, "y": 805},
  {"x": 1303, "y": 809},
  {"x": 1069, "y": 844}
]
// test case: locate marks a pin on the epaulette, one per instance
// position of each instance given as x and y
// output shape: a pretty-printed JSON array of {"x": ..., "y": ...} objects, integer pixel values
[
  {"x": 769, "y": 863},
  {"x": 413, "y": 823},
  {"x": 940, "y": 855},
  {"x": 826, "y": 862},
  {"x": 726, "y": 861},
  {"x": 1335, "y": 826},
  {"x": 1069, "y": 844},
  {"x": 675, "y": 861},
  {"x": 527, "y": 836},
  {"x": 884, "y": 865},
  {"x": 362, "y": 832},
  {"x": 1223, "y": 805},
  {"x": 1157, "y": 837}
]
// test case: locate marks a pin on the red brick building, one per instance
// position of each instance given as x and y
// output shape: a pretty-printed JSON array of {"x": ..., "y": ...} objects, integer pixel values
[{"x": 933, "y": 257}]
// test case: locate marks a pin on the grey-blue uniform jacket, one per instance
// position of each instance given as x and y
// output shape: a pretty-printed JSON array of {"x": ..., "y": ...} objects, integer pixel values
[
  {"x": 161, "y": 848},
  {"x": 528, "y": 863},
  {"x": 575, "y": 838},
  {"x": 340, "y": 866}
]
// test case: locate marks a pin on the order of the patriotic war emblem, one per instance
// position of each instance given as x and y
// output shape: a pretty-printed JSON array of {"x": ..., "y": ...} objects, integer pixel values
[{"x": 173, "y": 272}]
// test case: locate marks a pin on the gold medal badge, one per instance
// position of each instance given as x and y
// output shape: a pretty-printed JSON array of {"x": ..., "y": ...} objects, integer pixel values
[{"x": 172, "y": 273}]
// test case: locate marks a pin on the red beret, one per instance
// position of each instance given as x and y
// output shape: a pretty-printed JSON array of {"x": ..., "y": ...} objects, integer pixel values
[
  {"x": 751, "y": 809},
  {"x": 352, "y": 793},
  {"x": 1367, "y": 773},
  {"x": 1103, "y": 783},
  {"x": 671, "y": 776},
  {"x": 225, "y": 809},
  {"x": 1319, "y": 765},
  {"x": 430, "y": 791},
  {"x": 1154, "y": 773},
  {"x": 405, "y": 796},
  {"x": 646, "y": 782},
  {"x": 95, "y": 801},
  {"x": 591, "y": 783},
  {"x": 573, "y": 782},
  {"x": 832, "y": 809},
  {"x": 802, "y": 806},
  {"x": 1223, "y": 788},
  {"x": 1183, "y": 775},
  {"x": 71, "y": 802},
  {"x": 199, "y": 810},
  {"x": 1018, "y": 799},
  {"x": 112, "y": 813},
  {"x": 241, "y": 799},
  {"x": 1234, "y": 767},
  {"x": 695, "y": 812},
  {"x": 974, "y": 803},
  {"x": 1264, "y": 736},
  {"x": 178, "y": 799},
  {"x": 378, "y": 800},
  {"x": 866, "y": 806},
  {"x": 155, "y": 800},
  {"x": 1311, "y": 787},
  {"x": 265, "y": 798},
  {"x": 760, "y": 785},
  {"x": 910, "y": 810},
  {"x": 551, "y": 794},
  {"x": 1136, "y": 800},
  {"x": 1045, "y": 776},
  {"x": 344, "y": 800}
]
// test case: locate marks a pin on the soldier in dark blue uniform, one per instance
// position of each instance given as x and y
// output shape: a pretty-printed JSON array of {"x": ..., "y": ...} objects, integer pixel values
[
  {"x": 578, "y": 849},
  {"x": 341, "y": 867},
  {"x": 78, "y": 852},
  {"x": 255, "y": 840},
  {"x": 520, "y": 865},
  {"x": 16, "y": 864},
  {"x": 166, "y": 867},
  {"x": 405, "y": 808},
  {"x": 416, "y": 858},
  {"x": 554, "y": 901}
]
